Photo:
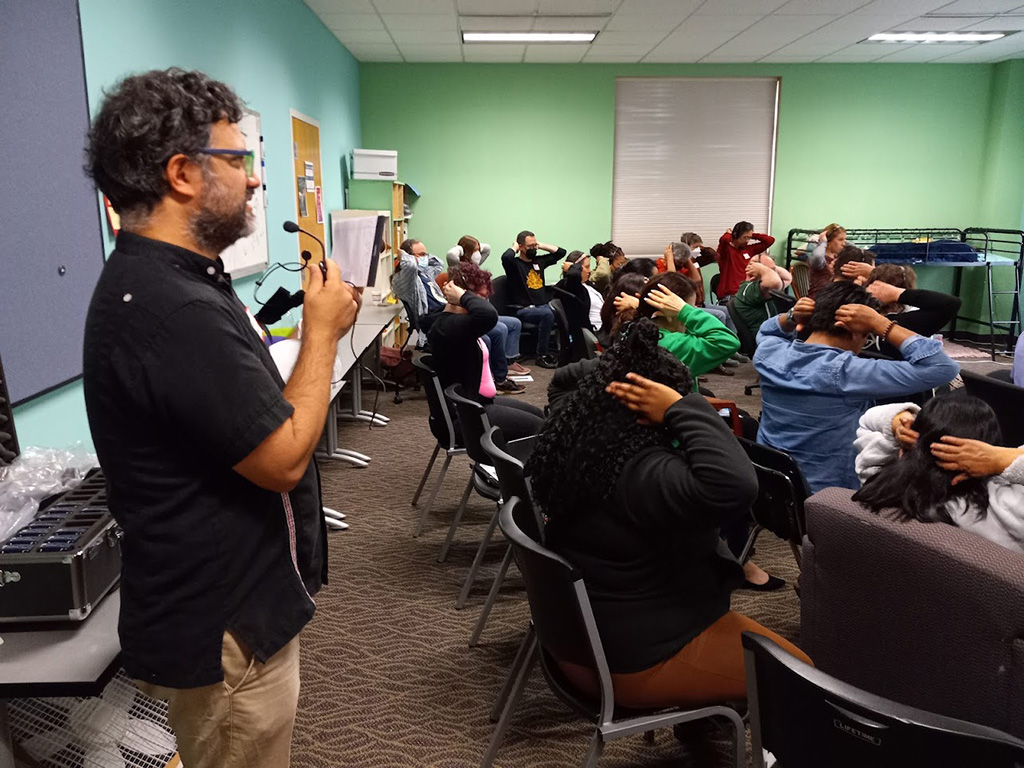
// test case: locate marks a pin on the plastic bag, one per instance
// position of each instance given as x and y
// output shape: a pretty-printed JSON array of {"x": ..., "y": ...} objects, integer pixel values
[{"x": 36, "y": 474}]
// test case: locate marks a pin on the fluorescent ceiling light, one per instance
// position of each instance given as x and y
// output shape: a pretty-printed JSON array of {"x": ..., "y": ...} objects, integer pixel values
[
  {"x": 528, "y": 37},
  {"x": 936, "y": 37}
]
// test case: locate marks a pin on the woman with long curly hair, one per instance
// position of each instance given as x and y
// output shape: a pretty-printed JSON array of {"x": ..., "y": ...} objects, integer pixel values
[{"x": 636, "y": 473}]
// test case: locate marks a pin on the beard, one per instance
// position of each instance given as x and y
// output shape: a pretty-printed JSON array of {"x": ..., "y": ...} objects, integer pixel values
[{"x": 219, "y": 222}]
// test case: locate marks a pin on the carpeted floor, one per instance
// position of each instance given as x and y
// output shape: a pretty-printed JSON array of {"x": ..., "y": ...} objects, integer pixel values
[{"x": 388, "y": 678}]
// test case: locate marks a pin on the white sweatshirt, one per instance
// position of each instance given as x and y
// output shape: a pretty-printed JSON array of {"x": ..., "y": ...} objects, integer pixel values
[{"x": 1004, "y": 523}]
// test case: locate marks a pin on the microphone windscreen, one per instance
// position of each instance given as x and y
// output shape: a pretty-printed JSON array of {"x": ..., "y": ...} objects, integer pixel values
[{"x": 290, "y": 226}]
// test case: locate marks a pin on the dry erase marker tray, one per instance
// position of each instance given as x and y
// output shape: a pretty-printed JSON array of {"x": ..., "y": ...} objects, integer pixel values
[{"x": 64, "y": 561}]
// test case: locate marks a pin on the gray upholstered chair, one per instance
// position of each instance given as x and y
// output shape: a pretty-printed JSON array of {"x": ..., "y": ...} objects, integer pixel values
[{"x": 928, "y": 615}]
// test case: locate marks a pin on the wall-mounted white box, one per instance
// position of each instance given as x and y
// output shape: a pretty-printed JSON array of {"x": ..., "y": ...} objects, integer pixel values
[{"x": 375, "y": 164}]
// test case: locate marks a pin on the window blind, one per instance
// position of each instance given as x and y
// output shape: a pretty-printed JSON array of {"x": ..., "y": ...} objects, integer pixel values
[{"x": 691, "y": 155}]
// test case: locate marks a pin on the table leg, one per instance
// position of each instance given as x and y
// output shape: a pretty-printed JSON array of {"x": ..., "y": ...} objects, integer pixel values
[
  {"x": 333, "y": 451},
  {"x": 358, "y": 413}
]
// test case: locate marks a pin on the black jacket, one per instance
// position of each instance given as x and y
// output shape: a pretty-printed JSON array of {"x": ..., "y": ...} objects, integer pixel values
[
  {"x": 453, "y": 343},
  {"x": 934, "y": 311},
  {"x": 656, "y": 569}
]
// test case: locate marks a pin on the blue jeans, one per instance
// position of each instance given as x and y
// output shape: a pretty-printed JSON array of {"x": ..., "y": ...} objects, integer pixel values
[
  {"x": 722, "y": 314},
  {"x": 496, "y": 339},
  {"x": 514, "y": 328},
  {"x": 544, "y": 317}
]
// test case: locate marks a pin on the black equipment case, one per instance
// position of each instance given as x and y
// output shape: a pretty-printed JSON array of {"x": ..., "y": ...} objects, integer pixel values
[{"x": 63, "y": 562}]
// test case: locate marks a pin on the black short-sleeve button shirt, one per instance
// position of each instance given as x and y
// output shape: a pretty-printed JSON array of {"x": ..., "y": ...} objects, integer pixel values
[{"x": 179, "y": 388}]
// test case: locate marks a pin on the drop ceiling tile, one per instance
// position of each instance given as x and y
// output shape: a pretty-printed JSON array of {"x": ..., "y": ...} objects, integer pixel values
[
  {"x": 730, "y": 7},
  {"x": 565, "y": 7},
  {"x": 601, "y": 58},
  {"x": 421, "y": 21},
  {"x": 361, "y": 21},
  {"x": 773, "y": 58},
  {"x": 496, "y": 7},
  {"x": 569, "y": 23},
  {"x": 665, "y": 9},
  {"x": 375, "y": 52},
  {"x": 483, "y": 52},
  {"x": 729, "y": 58},
  {"x": 496, "y": 23},
  {"x": 834, "y": 36},
  {"x": 999, "y": 24},
  {"x": 768, "y": 35},
  {"x": 980, "y": 6},
  {"x": 632, "y": 37},
  {"x": 861, "y": 53},
  {"x": 553, "y": 52},
  {"x": 978, "y": 55},
  {"x": 394, "y": 7},
  {"x": 426, "y": 36},
  {"x": 923, "y": 53},
  {"x": 930, "y": 24},
  {"x": 341, "y": 6},
  {"x": 899, "y": 9},
  {"x": 619, "y": 50},
  {"x": 363, "y": 36},
  {"x": 413, "y": 52},
  {"x": 699, "y": 36},
  {"x": 826, "y": 7}
]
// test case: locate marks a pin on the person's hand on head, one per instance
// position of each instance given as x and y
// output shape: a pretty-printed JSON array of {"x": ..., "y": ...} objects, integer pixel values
[
  {"x": 972, "y": 458},
  {"x": 565, "y": 266},
  {"x": 670, "y": 261},
  {"x": 756, "y": 270},
  {"x": 860, "y": 318},
  {"x": 515, "y": 247},
  {"x": 903, "y": 430},
  {"x": 624, "y": 301},
  {"x": 855, "y": 269},
  {"x": 648, "y": 398},
  {"x": 328, "y": 306},
  {"x": 885, "y": 293},
  {"x": 667, "y": 303},
  {"x": 452, "y": 293},
  {"x": 802, "y": 311}
]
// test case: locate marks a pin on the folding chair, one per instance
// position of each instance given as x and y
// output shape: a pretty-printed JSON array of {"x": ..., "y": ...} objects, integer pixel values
[
  {"x": 564, "y": 628},
  {"x": 781, "y": 492}
]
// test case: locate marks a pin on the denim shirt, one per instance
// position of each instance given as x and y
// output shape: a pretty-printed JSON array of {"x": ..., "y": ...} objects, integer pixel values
[{"x": 814, "y": 395}]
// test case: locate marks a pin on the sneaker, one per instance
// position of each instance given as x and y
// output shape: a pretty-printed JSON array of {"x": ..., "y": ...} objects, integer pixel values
[
  {"x": 509, "y": 387},
  {"x": 547, "y": 362},
  {"x": 518, "y": 370},
  {"x": 722, "y": 371},
  {"x": 730, "y": 363},
  {"x": 739, "y": 357}
]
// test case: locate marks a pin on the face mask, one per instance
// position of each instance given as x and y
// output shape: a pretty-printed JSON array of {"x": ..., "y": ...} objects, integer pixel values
[
  {"x": 476, "y": 257},
  {"x": 422, "y": 260},
  {"x": 531, "y": 253}
]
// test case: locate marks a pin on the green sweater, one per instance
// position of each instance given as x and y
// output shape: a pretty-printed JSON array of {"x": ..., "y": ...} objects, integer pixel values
[{"x": 705, "y": 344}]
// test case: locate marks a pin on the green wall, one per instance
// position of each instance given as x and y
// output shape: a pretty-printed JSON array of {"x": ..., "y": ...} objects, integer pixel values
[
  {"x": 278, "y": 56},
  {"x": 496, "y": 148}
]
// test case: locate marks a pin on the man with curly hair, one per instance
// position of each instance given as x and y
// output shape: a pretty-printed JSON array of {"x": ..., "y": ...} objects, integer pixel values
[{"x": 206, "y": 452}]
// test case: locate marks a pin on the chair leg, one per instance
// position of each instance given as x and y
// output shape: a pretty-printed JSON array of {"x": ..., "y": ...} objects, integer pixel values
[
  {"x": 750, "y": 543},
  {"x": 740, "y": 742},
  {"x": 796, "y": 553},
  {"x": 594, "y": 750},
  {"x": 433, "y": 495},
  {"x": 526, "y": 647},
  {"x": 455, "y": 521},
  {"x": 480, "y": 552},
  {"x": 492, "y": 597},
  {"x": 506, "y": 715},
  {"x": 426, "y": 474}
]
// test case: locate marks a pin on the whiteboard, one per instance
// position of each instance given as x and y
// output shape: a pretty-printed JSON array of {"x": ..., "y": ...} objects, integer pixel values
[{"x": 251, "y": 254}]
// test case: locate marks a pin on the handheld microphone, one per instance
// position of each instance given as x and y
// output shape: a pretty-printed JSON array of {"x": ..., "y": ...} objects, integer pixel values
[{"x": 291, "y": 226}]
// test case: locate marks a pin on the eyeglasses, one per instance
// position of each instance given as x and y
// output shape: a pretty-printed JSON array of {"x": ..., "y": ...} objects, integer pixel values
[{"x": 248, "y": 156}]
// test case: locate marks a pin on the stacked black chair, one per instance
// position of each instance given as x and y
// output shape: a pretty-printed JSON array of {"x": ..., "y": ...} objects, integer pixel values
[
  {"x": 564, "y": 628},
  {"x": 808, "y": 719},
  {"x": 781, "y": 492},
  {"x": 507, "y": 460},
  {"x": 442, "y": 427},
  {"x": 1006, "y": 399},
  {"x": 500, "y": 301}
]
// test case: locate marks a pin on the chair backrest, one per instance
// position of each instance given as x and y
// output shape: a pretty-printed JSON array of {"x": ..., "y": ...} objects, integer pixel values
[
  {"x": 472, "y": 421},
  {"x": 442, "y": 426},
  {"x": 748, "y": 342},
  {"x": 713, "y": 285},
  {"x": 781, "y": 301},
  {"x": 562, "y": 326},
  {"x": 501, "y": 298},
  {"x": 559, "y": 605},
  {"x": 512, "y": 479},
  {"x": 781, "y": 491},
  {"x": 801, "y": 278},
  {"x": 1006, "y": 399},
  {"x": 807, "y": 719}
]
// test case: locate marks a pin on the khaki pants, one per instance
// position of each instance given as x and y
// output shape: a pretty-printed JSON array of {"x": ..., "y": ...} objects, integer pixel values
[{"x": 244, "y": 721}]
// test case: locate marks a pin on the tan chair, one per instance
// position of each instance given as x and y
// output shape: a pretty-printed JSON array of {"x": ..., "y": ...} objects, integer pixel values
[{"x": 801, "y": 278}]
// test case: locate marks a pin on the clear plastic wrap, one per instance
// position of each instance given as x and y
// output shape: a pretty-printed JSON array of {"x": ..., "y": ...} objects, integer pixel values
[{"x": 36, "y": 474}]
